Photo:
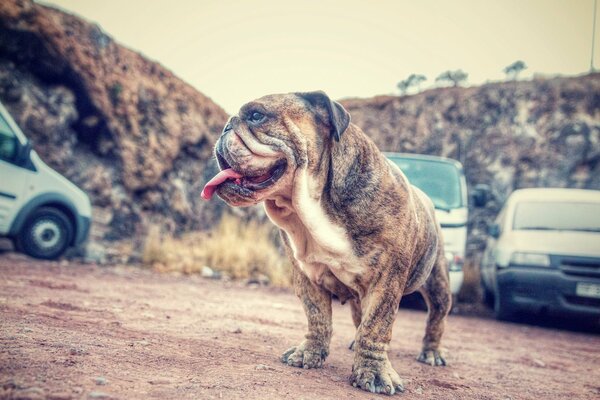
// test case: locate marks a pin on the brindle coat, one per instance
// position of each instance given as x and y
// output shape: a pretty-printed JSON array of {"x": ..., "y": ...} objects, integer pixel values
[{"x": 352, "y": 225}]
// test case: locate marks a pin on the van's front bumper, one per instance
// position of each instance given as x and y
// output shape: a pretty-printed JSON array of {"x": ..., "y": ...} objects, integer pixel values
[{"x": 546, "y": 289}]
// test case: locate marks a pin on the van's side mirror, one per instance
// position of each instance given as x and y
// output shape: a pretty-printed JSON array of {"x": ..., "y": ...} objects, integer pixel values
[
  {"x": 24, "y": 153},
  {"x": 494, "y": 230},
  {"x": 481, "y": 195}
]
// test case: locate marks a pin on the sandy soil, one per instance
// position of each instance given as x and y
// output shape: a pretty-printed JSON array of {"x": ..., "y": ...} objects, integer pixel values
[{"x": 70, "y": 331}]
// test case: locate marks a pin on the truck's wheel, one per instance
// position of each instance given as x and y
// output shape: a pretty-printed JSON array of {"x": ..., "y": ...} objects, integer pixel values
[{"x": 46, "y": 234}]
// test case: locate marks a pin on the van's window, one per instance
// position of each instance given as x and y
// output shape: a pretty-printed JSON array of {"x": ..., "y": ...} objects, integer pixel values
[
  {"x": 568, "y": 216},
  {"x": 8, "y": 141},
  {"x": 439, "y": 180}
]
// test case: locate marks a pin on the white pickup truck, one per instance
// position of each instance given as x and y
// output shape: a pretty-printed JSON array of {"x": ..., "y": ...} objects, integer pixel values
[{"x": 40, "y": 210}]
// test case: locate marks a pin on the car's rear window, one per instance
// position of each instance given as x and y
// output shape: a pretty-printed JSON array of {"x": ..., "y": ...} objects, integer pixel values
[{"x": 550, "y": 215}]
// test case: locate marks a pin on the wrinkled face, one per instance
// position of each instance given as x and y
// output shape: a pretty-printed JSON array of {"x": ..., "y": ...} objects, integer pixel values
[{"x": 261, "y": 147}]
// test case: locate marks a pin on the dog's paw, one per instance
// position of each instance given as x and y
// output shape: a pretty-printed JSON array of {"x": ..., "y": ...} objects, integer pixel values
[
  {"x": 307, "y": 355},
  {"x": 432, "y": 357},
  {"x": 376, "y": 377}
]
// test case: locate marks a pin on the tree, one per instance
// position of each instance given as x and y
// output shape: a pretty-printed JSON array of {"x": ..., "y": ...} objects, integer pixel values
[
  {"x": 416, "y": 80},
  {"x": 412, "y": 80},
  {"x": 403, "y": 87},
  {"x": 512, "y": 71},
  {"x": 455, "y": 77}
]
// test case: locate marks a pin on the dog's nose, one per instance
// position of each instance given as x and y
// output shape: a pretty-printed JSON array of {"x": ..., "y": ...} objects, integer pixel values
[{"x": 233, "y": 121}]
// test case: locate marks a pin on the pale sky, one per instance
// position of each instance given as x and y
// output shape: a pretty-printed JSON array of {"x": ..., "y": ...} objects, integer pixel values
[{"x": 235, "y": 51}]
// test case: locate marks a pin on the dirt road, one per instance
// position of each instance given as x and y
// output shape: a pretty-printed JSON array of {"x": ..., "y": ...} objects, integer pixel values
[{"x": 81, "y": 332}]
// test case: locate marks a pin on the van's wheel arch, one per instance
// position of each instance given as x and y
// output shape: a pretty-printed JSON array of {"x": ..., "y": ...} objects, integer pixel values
[{"x": 46, "y": 233}]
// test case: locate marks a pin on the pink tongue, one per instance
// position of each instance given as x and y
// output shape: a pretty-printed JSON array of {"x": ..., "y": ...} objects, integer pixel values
[{"x": 211, "y": 186}]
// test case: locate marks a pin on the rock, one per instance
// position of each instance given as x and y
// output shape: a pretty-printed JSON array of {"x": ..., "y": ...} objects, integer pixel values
[
  {"x": 115, "y": 123},
  {"x": 159, "y": 382},
  {"x": 207, "y": 272},
  {"x": 539, "y": 363},
  {"x": 99, "y": 395},
  {"x": 237, "y": 330},
  {"x": 263, "y": 367},
  {"x": 100, "y": 380},
  {"x": 31, "y": 393},
  {"x": 509, "y": 135},
  {"x": 60, "y": 396},
  {"x": 77, "y": 351},
  {"x": 139, "y": 140},
  {"x": 263, "y": 279}
]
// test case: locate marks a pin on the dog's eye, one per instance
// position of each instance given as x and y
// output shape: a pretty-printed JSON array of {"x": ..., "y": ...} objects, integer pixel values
[{"x": 256, "y": 117}]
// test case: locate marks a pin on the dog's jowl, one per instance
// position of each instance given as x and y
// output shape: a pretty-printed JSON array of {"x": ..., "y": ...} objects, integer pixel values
[{"x": 351, "y": 222}]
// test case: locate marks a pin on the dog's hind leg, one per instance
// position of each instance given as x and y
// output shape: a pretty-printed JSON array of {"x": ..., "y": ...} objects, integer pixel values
[{"x": 437, "y": 295}]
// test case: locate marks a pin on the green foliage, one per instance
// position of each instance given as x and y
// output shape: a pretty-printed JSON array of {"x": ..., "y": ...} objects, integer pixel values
[
  {"x": 412, "y": 80},
  {"x": 512, "y": 71},
  {"x": 454, "y": 77}
]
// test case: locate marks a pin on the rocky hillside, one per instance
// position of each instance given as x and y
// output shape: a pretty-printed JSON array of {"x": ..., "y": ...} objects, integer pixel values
[
  {"x": 509, "y": 135},
  {"x": 120, "y": 126},
  {"x": 138, "y": 139}
]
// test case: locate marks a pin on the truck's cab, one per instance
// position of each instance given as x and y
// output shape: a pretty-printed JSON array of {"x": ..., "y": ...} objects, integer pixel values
[
  {"x": 40, "y": 210},
  {"x": 443, "y": 180}
]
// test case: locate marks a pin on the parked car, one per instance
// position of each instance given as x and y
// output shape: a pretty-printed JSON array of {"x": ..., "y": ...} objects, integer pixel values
[
  {"x": 443, "y": 180},
  {"x": 40, "y": 210},
  {"x": 543, "y": 254}
]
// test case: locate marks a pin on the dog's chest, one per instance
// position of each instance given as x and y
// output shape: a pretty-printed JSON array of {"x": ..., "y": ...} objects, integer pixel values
[
  {"x": 316, "y": 259},
  {"x": 318, "y": 245}
]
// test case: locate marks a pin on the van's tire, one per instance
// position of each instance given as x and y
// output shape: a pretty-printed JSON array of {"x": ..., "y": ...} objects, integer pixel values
[{"x": 46, "y": 234}]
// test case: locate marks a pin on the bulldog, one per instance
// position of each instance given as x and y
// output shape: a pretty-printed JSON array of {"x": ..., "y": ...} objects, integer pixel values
[{"x": 352, "y": 225}]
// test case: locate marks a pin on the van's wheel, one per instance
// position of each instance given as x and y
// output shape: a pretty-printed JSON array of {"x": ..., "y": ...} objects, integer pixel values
[{"x": 46, "y": 234}]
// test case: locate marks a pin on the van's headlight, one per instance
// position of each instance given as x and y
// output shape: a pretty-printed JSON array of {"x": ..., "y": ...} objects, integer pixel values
[
  {"x": 455, "y": 261},
  {"x": 538, "y": 260}
]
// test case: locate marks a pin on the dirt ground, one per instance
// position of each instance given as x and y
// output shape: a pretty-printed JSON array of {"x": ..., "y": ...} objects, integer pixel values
[{"x": 70, "y": 331}]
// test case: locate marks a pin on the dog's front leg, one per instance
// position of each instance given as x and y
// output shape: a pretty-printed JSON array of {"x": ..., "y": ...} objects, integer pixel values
[
  {"x": 313, "y": 351},
  {"x": 372, "y": 370}
]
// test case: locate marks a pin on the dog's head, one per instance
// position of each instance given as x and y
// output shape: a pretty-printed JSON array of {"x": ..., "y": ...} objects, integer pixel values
[{"x": 263, "y": 146}]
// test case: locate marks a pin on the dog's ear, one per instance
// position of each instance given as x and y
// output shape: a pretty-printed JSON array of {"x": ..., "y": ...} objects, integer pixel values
[{"x": 339, "y": 119}]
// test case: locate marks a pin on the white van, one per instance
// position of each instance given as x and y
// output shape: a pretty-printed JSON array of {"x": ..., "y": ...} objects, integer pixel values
[
  {"x": 40, "y": 210},
  {"x": 443, "y": 180},
  {"x": 543, "y": 254}
]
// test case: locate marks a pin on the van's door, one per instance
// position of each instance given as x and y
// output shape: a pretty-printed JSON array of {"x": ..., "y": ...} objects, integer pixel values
[{"x": 13, "y": 178}]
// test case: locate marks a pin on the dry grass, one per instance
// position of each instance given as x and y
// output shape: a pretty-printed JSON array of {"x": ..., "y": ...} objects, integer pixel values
[{"x": 240, "y": 249}]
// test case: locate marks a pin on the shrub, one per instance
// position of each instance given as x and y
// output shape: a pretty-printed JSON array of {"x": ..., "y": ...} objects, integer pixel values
[{"x": 242, "y": 250}]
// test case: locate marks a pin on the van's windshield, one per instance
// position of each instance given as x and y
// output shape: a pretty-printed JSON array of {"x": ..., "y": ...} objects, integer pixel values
[
  {"x": 554, "y": 215},
  {"x": 438, "y": 179}
]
